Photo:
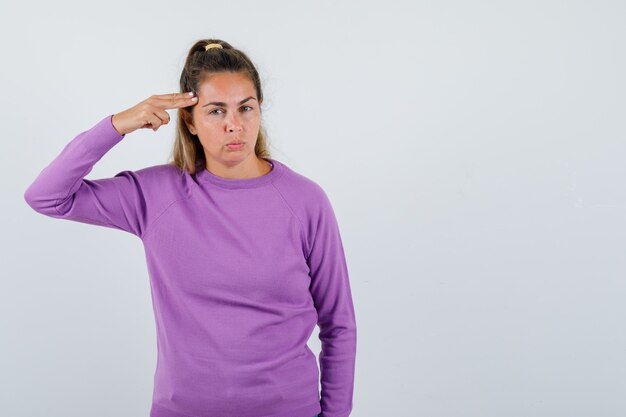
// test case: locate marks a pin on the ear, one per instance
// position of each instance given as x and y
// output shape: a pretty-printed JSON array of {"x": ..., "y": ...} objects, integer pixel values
[{"x": 189, "y": 122}]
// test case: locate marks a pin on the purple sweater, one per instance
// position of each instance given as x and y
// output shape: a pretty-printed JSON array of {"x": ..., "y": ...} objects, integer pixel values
[{"x": 241, "y": 271}]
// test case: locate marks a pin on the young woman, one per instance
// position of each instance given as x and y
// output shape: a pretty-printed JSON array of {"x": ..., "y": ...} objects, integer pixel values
[{"x": 244, "y": 254}]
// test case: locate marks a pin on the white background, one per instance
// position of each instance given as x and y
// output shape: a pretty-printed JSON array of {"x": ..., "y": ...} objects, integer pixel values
[{"x": 473, "y": 153}]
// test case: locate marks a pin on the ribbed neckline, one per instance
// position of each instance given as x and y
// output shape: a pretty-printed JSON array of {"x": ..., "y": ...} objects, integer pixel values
[{"x": 204, "y": 175}]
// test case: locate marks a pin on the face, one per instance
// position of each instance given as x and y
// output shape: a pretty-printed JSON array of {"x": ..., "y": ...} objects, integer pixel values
[{"x": 227, "y": 112}]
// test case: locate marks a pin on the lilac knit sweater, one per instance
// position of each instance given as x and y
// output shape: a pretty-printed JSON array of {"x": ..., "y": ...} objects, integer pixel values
[{"x": 241, "y": 271}]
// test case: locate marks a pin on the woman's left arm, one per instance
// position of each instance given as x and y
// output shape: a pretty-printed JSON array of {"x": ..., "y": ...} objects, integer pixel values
[{"x": 332, "y": 296}]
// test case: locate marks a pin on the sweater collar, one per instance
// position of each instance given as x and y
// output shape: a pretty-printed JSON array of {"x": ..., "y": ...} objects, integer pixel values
[{"x": 204, "y": 175}]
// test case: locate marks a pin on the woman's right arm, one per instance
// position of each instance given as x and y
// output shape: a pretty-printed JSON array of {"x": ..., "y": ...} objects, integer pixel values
[{"x": 61, "y": 191}]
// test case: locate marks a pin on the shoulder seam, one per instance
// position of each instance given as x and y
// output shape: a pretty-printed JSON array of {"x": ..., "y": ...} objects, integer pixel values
[
  {"x": 302, "y": 232},
  {"x": 149, "y": 227},
  {"x": 167, "y": 207}
]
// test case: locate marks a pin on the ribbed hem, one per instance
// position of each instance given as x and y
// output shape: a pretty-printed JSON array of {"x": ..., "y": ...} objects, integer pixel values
[{"x": 310, "y": 410}]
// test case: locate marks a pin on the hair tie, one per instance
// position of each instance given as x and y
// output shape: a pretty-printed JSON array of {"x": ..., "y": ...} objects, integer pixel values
[{"x": 212, "y": 45}]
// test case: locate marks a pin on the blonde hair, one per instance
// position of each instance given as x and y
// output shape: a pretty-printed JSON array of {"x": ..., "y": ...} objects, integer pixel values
[{"x": 187, "y": 153}]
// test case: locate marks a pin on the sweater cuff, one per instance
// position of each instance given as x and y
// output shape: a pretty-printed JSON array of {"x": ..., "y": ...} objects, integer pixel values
[
  {"x": 100, "y": 138},
  {"x": 114, "y": 131}
]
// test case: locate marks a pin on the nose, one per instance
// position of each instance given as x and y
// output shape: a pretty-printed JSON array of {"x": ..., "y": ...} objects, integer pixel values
[{"x": 232, "y": 123}]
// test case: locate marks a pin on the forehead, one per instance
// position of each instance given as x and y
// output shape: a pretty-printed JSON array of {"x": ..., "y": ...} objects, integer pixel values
[{"x": 226, "y": 86}]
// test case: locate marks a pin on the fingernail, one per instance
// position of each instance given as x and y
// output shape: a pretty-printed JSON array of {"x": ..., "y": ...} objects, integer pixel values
[
  {"x": 194, "y": 98},
  {"x": 191, "y": 93}
]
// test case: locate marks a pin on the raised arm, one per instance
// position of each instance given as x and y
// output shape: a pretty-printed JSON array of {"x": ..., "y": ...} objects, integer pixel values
[{"x": 61, "y": 190}]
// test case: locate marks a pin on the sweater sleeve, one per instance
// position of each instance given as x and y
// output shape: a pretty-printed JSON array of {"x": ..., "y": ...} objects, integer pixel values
[
  {"x": 60, "y": 190},
  {"x": 330, "y": 289}
]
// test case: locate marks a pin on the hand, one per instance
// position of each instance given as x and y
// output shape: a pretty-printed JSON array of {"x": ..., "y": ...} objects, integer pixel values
[{"x": 151, "y": 113}]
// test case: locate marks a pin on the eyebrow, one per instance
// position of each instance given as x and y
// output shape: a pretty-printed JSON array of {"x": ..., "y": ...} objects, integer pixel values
[{"x": 221, "y": 103}]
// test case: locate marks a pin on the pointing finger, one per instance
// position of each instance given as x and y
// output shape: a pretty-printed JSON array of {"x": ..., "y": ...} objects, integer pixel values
[
  {"x": 176, "y": 100},
  {"x": 175, "y": 95}
]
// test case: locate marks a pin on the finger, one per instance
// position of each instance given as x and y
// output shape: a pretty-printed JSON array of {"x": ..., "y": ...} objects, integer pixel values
[
  {"x": 163, "y": 116},
  {"x": 151, "y": 121},
  {"x": 174, "y": 95},
  {"x": 176, "y": 100}
]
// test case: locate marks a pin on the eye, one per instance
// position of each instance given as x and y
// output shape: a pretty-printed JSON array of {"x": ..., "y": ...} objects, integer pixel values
[
  {"x": 213, "y": 111},
  {"x": 247, "y": 107}
]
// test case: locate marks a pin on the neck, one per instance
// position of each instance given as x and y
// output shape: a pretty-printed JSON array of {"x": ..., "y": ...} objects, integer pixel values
[{"x": 254, "y": 167}]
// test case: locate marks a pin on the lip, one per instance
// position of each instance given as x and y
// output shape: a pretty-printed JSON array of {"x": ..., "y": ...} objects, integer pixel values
[{"x": 235, "y": 145}]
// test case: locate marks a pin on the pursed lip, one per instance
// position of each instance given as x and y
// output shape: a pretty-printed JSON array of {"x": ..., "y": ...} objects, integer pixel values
[{"x": 237, "y": 142}]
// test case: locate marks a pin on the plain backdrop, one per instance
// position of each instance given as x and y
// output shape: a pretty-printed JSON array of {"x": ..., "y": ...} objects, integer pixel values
[{"x": 473, "y": 153}]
